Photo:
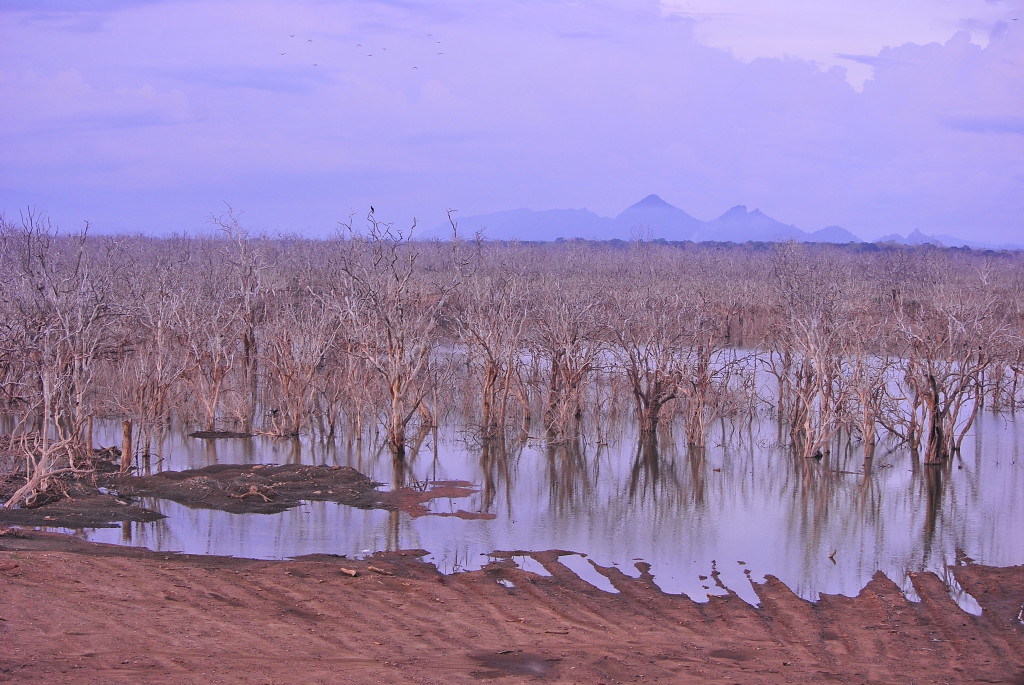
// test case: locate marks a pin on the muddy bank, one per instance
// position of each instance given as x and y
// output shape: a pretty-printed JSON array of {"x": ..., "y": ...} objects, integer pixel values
[
  {"x": 106, "y": 498},
  {"x": 78, "y": 612},
  {"x": 219, "y": 435},
  {"x": 255, "y": 488}
]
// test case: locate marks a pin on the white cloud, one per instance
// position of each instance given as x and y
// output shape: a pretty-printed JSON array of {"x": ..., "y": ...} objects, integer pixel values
[{"x": 830, "y": 32}]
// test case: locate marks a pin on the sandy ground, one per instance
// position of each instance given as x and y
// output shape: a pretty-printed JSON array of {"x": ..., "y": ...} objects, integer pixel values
[{"x": 76, "y": 612}]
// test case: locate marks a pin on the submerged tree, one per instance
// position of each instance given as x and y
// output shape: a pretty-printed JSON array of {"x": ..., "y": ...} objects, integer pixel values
[
  {"x": 490, "y": 319},
  {"x": 652, "y": 346},
  {"x": 948, "y": 341},
  {"x": 566, "y": 339},
  {"x": 61, "y": 316},
  {"x": 809, "y": 293},
  {"x": 392, "y": 310}
]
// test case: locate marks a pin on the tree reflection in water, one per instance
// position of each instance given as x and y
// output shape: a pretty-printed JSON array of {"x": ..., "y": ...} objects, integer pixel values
[{"x": 741, "y": 498}]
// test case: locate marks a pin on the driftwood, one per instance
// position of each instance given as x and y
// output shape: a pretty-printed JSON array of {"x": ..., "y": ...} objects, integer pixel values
[
  {"x": 253, "y": 492},
  {"x": 35, "y": 486}
]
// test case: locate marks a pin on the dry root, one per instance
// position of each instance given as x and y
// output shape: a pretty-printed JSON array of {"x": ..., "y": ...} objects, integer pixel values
[{"x": 254, "y": 491}]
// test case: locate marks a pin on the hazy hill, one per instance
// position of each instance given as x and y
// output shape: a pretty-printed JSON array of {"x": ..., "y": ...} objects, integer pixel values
[
  {"x": 652, "y": 218},
  {"x": 916, "y": 237},
  {"x": 833, "y": 234},
  {"x": 740, "y": 225}
]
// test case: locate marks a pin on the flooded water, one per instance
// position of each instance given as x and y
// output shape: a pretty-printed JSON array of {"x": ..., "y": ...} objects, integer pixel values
[{"x": 744, "y": 509}]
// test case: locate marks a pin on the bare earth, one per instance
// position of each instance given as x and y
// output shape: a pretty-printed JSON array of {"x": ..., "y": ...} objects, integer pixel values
[{"x": 76, "y": 612}]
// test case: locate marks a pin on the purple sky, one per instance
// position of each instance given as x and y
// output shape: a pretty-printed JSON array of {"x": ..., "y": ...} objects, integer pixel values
[{"x": 149, "y": 115}]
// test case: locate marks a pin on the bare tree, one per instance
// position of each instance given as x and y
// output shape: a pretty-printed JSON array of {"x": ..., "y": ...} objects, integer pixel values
[
  {"x": 61, "y": 296},
  {"x": 150, "y": 366},
  {"x": 948, "y": 341},
  {"x": 651, "y": 346},
  {"x": 566, "y": 337},
  {"x": 490, "y": 321},
  {"x": 248, "y": 267},
  {"x": 303, "y": 330},
  {"x": 210, "y": 329},
  {"x": 804, "y": 353},
  {"x": 392, "y": 313}
]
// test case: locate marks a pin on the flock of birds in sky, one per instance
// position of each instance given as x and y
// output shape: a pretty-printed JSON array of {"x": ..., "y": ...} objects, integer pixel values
[{"x": 369, "y": 51}]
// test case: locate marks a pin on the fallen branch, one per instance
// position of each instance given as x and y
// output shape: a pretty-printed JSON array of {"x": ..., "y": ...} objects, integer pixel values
[
  {"x": 253, "y": 492},
  {"x": 36, "y": 485}
]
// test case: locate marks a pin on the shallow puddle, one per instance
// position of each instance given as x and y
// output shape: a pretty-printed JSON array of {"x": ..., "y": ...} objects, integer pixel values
[{"x": 586, "y": 571}]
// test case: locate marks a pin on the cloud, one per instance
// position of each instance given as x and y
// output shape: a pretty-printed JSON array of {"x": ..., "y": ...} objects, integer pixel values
[
  {"x": 869, "y": 60},
  {"x": 827, "y": 32}
]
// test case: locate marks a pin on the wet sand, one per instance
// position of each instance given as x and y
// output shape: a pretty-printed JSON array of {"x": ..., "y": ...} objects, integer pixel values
[{"x": 77, "y": 612}]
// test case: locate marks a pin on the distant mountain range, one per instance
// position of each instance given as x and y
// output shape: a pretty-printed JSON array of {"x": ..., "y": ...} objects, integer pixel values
[{"x": 652, "y": 218}]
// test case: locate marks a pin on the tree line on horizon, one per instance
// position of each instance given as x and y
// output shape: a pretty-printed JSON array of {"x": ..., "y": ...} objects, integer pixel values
[{"x": 375, "y": 334}]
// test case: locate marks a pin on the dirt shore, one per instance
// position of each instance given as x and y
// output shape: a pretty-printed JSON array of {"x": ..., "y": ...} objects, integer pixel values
[{"x": 77, "y": 612}]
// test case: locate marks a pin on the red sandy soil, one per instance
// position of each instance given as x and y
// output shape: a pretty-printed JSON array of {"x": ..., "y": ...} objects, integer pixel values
[{"x": 76, "y": 612}]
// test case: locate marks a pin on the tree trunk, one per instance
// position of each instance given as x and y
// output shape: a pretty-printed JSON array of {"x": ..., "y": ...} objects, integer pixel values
[
  {"x": 649, "y": 415},
  {"x": 936, "y": 450},
  {"x": 126, "y": 446}
]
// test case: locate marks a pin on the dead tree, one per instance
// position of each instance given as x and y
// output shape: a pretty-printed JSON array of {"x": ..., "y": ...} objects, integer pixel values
[
  {"x": 392, "y": 310},
  {"x": 651, "y": 345},
  {"x": 566, "y": 339},
  {"x": 150, "y": 364},
  {"x": 301, "y": 331},
  {"x": 808, "y": 291},
  {"x": 63, "y": 303},
  {"x": 948, "y": 341},
  {"x": 490, "y": 319},
  {"x": 247, "y": 266},
  {"x": 209, "y": 330}
]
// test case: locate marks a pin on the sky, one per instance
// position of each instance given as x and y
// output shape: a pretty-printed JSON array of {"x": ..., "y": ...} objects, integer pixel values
[{"x": 154, "y": 116}]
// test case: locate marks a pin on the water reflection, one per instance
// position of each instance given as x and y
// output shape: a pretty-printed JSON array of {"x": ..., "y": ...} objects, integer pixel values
[
  {"x": 571, "y": 475},
  {"x": 819, "y": 525},
  {"x": 497, "y": 466},
  {"x": 322, "y": 527},
  {"x": 933, "y": 476}
]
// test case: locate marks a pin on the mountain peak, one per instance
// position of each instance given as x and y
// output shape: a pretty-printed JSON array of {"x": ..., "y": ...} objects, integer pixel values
[
  {"x": 656, "y": 218},
  {"x": 738, "y": 210},
  {"x": 652, "y": 201}
]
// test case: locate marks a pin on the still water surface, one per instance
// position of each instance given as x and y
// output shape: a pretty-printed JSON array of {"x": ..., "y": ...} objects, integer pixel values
[{"x": 744, "y": 508}]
